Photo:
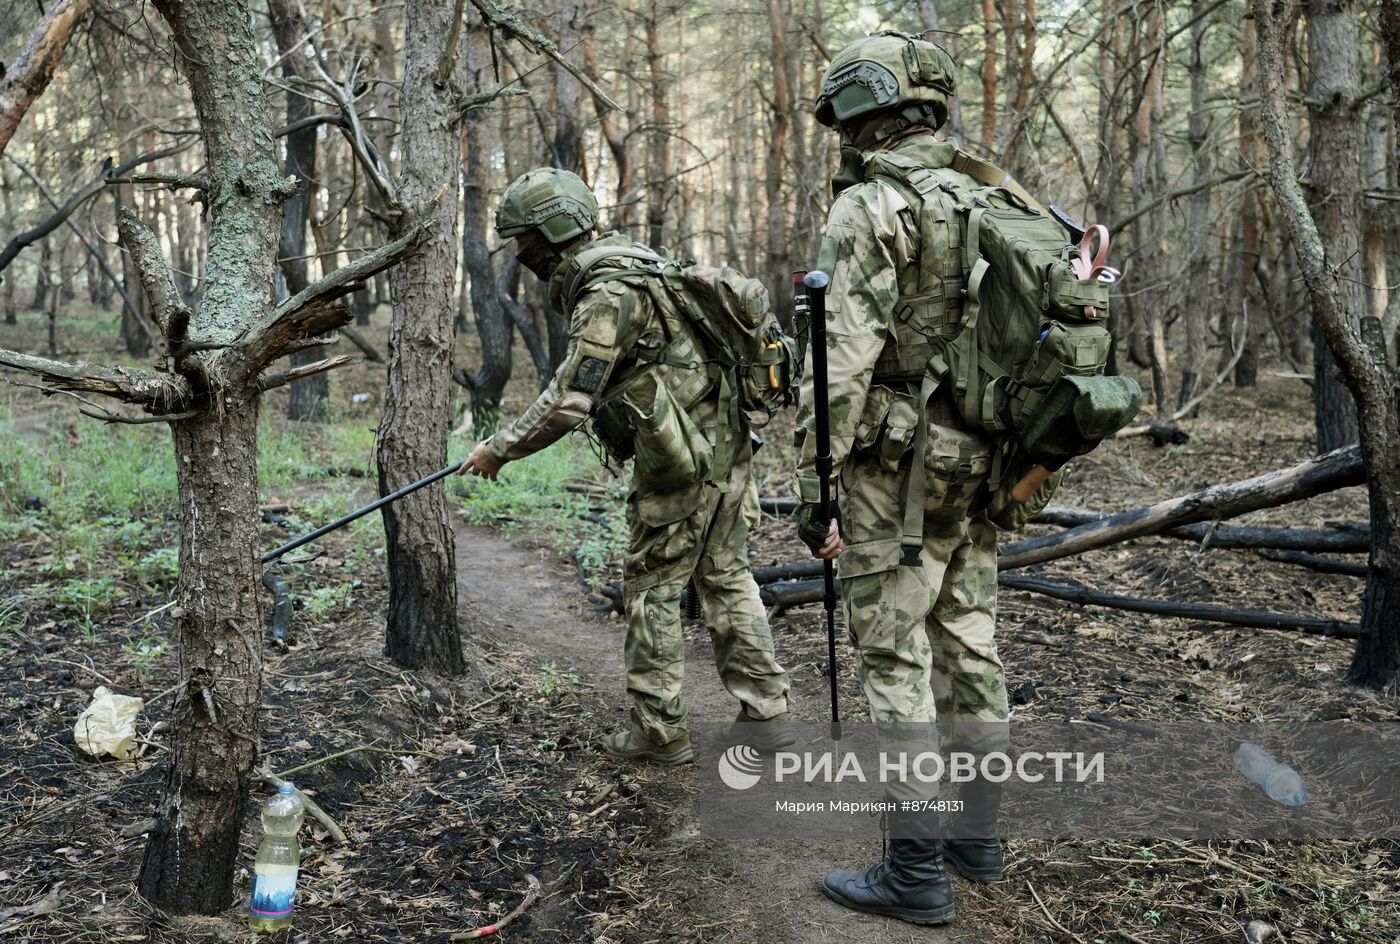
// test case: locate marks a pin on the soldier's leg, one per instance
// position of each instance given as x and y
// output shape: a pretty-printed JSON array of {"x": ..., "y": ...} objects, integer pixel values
[
  {"x": 971, "y": 691},
  {"x": 733, "y": 612},
  {"x": 666, "y": 535},
  {"x": 886, "y": 606}
]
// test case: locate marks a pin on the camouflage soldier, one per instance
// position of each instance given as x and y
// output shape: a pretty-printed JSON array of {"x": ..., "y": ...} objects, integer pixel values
[
  {"x": 635, "y": 368},
  {"x": 920, "y": 589}
]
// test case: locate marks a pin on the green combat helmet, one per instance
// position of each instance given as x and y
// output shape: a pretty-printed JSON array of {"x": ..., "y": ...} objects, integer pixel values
[
  {"x": 554, "y": 203},
  {"x": 882, "y": 84}
]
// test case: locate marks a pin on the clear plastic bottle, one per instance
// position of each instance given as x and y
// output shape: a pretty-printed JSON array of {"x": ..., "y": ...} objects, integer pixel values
[
  {"x": 1281, "y": 782},
  {"x": 275, "y": 867}
]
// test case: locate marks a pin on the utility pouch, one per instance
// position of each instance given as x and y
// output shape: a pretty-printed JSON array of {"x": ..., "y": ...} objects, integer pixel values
[
  {"x": 612, "y": 424},
  {"x": 671, "y": 451},
  {"x": 1062, "y": 348},
  {"x": 901, "y": 421},
  {"x": 956, "y": 464}
]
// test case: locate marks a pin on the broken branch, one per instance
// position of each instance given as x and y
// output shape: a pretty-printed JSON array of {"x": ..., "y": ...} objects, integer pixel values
[{"x": 283, "y": 377}]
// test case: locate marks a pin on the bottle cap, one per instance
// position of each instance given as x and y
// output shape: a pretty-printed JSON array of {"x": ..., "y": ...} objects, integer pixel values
[{"x": 286, "y": 787}]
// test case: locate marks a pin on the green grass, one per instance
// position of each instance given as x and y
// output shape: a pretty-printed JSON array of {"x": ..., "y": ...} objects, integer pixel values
[{"x": 531, "y": 494}]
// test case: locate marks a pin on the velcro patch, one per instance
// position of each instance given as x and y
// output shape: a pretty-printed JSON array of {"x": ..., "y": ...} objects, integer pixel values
[{"x": 589, "y": 374}]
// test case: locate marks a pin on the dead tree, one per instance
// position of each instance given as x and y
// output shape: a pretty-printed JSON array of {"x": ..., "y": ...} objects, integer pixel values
[
  {"x": 209, "y": 391},
  {"x": 1354, "y": 337},
  {"x": 28, "y": 76}
]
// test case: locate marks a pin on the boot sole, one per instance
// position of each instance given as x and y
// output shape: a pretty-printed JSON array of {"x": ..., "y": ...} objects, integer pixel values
[
  {"x": 922, "y": 917},
  {"x": 970, "y": 873},
  {"x": 683, "y": 756}
]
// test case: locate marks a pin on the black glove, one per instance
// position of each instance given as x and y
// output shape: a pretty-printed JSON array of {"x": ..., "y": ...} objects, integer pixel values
[{"x": 811, "y": 527}]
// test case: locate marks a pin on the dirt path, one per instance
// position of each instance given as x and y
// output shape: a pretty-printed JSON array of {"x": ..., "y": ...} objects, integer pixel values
[{"x": 767, "y": 891}]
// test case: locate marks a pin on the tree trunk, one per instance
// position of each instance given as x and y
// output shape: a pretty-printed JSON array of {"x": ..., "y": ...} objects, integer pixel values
[
  {"x": 1247, "y": 367},
  {"x": 7, "y": 286},
  {"x": 990, "y": 30},
  {"x": 659, "y": 169},
  {"x": 41, "y": 277},
  {"x": 1356, "y": 339},
  {"x": 1194, "y": 311},
  {"x": 28, "y": 76},
  {"x": 308, "y": 395},
  {"x": 568, "y": 131},
  {"x": 193, "y": 850},
  {"x": 777, "y": 259},
  {"x": 1335, "y": 141},
  {"x": 422, "y": 628}
]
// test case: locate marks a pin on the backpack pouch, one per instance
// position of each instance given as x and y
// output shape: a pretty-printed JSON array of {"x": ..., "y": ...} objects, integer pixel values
[
  {"x": 1064, "y": 348},
  {"x": 956, "y": 464},
  {"x": 671, "y": 451}
]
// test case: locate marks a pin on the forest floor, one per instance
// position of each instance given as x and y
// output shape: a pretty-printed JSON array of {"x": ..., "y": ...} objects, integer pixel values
[{"x": 453, "y": 791}]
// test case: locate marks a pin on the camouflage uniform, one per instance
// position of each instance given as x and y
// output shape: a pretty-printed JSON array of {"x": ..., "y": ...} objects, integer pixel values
[
  {"x": 697, "y": 530},
  {"x": 923, "y": 634}
]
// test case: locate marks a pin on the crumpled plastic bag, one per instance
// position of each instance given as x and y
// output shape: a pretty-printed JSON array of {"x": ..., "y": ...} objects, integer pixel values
[{"x": 108, "y": 725}]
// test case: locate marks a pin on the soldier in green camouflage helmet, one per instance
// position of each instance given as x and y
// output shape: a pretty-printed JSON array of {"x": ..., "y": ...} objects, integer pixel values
[
  {"x": 920, "y": 612},
  {"x": 634, "y": 371}
]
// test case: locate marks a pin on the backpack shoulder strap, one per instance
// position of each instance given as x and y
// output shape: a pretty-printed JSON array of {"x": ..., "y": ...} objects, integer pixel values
[
  {"x": 581, "y": 275},
  {"x": 985, "y": 172}
]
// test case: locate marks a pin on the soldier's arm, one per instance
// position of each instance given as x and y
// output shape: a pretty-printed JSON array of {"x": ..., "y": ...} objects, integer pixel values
[
  {"x": 867, "y": 243},
  {"x": 592, "y": 353}
]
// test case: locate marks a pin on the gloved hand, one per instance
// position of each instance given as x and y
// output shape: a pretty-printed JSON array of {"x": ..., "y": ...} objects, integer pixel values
[{"x": 823, "y": 538}]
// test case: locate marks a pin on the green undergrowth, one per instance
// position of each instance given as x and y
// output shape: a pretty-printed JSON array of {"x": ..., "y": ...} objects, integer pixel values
[{"x": 532, "y": 494}]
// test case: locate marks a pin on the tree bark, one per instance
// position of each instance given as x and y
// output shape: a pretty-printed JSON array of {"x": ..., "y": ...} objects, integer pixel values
[
  {"x": 422, "y": 628},
  {"x": 1357, "y": 341},
  {"x": 1194, "y": 311},
  {"x": 777, "y": 259},
  {"x": 1247, "y": 368},
  {"x": 28, "y": 76},
  {"x": 659, "y": 169},
  {"x": 308, "y": 396},
  {"x": 1335, "y": 142},
  {"x": 990, "y": 30},
  {"x": 193, "y": 850}
]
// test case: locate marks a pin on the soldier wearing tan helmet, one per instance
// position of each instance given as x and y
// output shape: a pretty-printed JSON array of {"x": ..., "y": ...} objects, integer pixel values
[
  {"x": 916, "y": 534},
  {"x": 636, "y": 370}
]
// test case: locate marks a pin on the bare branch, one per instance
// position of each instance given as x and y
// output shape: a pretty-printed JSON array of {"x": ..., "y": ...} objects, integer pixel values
[
  {"x": 167, "y": 306},
  {"x": 106, "y": 417},
  {"x": 168, "y": 181},
  {"x": 497, "y": 15},
  {"x": 310, "y": 311},
  {"x": 164, "y": 393},
  {"x": 30, "y": 74},
  {"x": 283, "y": 377}
]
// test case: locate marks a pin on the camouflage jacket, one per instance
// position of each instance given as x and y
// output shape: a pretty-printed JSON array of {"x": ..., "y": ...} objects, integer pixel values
[
  {"x": 612, "y": 329},
  {"x": 872, "y": 237}
]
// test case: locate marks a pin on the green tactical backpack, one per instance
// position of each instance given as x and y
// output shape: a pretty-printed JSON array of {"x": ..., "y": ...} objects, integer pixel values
[
  {"x": 1034, "y": 305},
  {"x": 729, "y": 313}
]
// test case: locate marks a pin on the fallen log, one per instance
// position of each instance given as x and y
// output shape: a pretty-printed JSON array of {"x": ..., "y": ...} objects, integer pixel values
[
  {"x": 1260, "y": 619},
  {"x": 807, "y": 568},
  {"x": 799, "y": 592},
  {"x": 775, "y": 505},
  {"x": 1162, "y": 434},
  {"x": 1338, "y": 469},
  {"x": 1326, "y": 565},
  {"x": 1351, "y": 540}
]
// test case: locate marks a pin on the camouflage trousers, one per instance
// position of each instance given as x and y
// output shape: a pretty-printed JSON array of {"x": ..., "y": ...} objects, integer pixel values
[
  {"x": 924, "y": 635},
  {"x": 701, "y": 531}
]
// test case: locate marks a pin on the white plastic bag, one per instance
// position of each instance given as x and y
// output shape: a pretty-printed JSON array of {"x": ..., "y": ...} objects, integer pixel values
[{"x": 108, "y": 725}]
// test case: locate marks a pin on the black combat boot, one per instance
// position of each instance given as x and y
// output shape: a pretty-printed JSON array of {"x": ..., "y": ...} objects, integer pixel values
[
  {"x": 910, "y": 884},
  {"x": 973, "y": 847}
]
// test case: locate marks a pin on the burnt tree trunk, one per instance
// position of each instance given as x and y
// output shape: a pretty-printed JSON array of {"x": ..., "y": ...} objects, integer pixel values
[
  {"x": 1194, "y": 311},
  {"x": 308, "y": 395},
  {"x": 7, "y": 286},
  {"x": 1334, "y": 198},
  {"x": 422, "y": 628},
  {"x": 193, "y": 850},
  {"x": 1356, "y": 339}
]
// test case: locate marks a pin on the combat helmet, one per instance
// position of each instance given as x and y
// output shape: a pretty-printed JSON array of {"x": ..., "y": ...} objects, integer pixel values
[
  {"x": 554, "y": 203},
  {"x": 887, "y": 72}
]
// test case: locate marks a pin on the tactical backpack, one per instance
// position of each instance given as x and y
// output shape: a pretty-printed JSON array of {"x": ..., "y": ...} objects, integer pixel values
[
  {"x": 729, "y": 313},
  {"x": 1012, "y": 305}
]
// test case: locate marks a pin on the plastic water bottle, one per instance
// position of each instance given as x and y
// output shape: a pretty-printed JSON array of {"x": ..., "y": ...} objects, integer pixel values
[
  {"x": 275, "y": 867},
  {"x": 1280, "y": 782}
]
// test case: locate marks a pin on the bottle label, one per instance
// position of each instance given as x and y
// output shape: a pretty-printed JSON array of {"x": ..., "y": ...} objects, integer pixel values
[{"x": 274, "y": 888}]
